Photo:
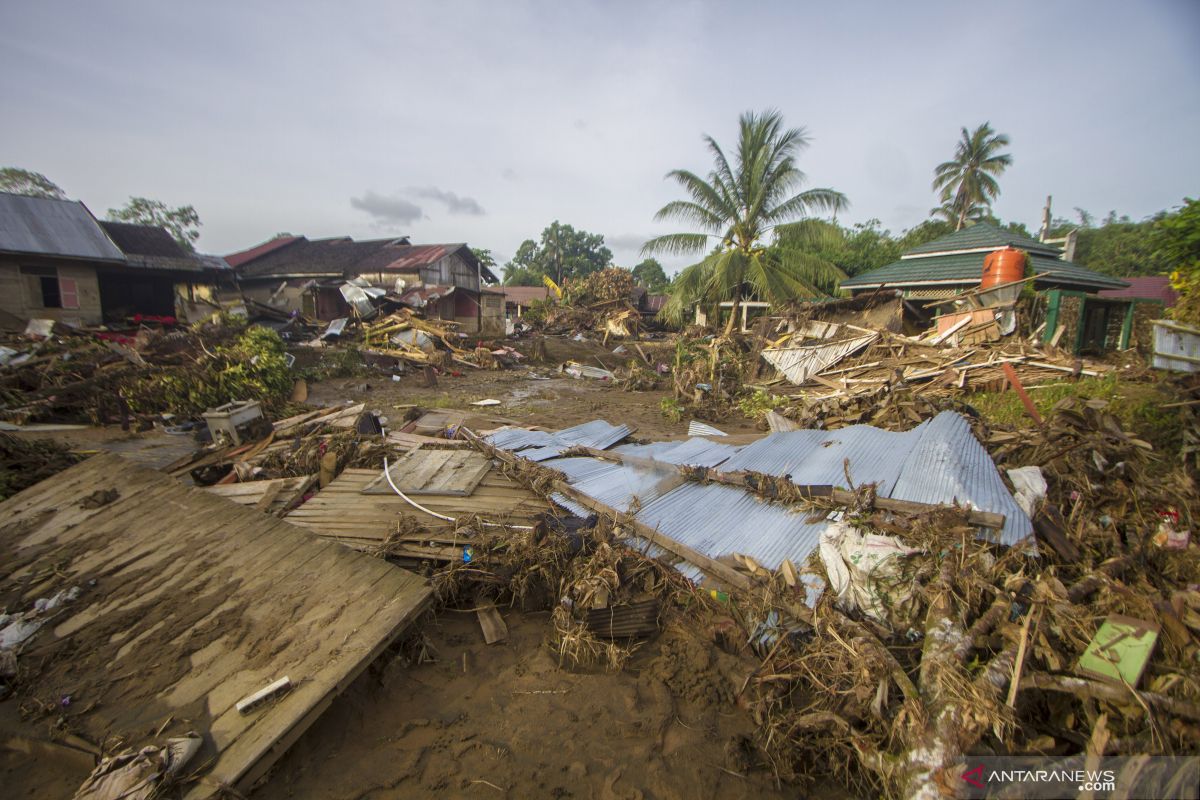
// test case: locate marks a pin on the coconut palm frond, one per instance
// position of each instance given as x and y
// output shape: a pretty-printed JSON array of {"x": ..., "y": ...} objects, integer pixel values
[{"x": 676, "y": 244}]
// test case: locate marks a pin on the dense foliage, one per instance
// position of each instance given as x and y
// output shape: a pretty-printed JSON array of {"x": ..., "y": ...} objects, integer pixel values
[
  {"x": 561, "y": 253},
  {"x": 650, "y": 274},
  {"x": 1179, "y": 244}
]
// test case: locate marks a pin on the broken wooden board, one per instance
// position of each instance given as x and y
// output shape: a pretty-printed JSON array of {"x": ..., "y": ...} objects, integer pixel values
[
  {"x": 189, "y": 603},
  {"x": 272, "y": 496},
  {"x": 414, "y": 440},
  {"x": 492, "y": 624},
  {"x": 427, "y": 471},
  {"x": 342, "y": 512}
]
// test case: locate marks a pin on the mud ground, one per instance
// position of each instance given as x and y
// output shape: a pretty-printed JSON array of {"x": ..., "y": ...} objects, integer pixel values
[
  {"x": 534, "y": 393},
  {"x": 511, "y": 724}
]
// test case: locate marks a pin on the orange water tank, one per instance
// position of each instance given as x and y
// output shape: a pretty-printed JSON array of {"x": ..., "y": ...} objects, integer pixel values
[{"x": 1003, "y": 266}]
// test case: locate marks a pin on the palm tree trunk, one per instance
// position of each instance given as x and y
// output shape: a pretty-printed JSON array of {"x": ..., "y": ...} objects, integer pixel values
[{"x": 733, "y": 312}]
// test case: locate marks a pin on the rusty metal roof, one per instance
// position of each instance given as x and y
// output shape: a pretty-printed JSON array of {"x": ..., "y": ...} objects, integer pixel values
[{"x": 241, "y": 257}]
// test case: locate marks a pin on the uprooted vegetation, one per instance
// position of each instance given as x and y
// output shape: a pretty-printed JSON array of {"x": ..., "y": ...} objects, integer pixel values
[
  {"x": 962, "y": 647},
  {"x": 76, "y": 377}
]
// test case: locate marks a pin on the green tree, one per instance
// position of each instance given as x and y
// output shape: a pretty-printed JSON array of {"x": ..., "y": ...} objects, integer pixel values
[
  {"x": 1118, "y": 246},
  {"x": 1178, "y": 245},
  {"x": 859, "y": 248},
  {"x": 651, "y": 275},
  {"x": 182, "y": 223},
  {"x": 927, "y": 231},
  {"x": 520, "y": 269},
  {"x": 740, "y": 205},
  {"x": 969, "y": 180},
  {"x": 561, "y": 253},
  {"x": 31, "y": 184}
]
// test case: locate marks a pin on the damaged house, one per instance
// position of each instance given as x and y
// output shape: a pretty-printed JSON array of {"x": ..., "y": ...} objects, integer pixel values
[
  {"x": 954, "y": 264},
  {"x": 58, "y": 262},
  {"x": 965, "y": 275},
  {"x": 311, "y": 277}
]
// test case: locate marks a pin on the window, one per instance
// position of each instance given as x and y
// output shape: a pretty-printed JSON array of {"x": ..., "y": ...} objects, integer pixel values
[{"x": 48, "y": 290}]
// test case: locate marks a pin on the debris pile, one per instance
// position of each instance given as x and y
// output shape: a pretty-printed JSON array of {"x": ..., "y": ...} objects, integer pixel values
[
  {"x": 911, "y": 638},
  {"x": 83, "y": 376},
  {"x": 407, "y": 338},
  {"x": 601, "y": 302}
]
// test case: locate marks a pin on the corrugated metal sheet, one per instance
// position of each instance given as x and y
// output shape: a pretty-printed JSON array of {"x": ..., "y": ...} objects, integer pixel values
[
  {"x": 539, "y": 446},
  {"x": 799, "y": 363},
  {"x": 517, "y": 438},
  {"x": 939, "y": 461},
  {"x": 694, "y": 452},
  {"x": 42, "y": 226},
  {"x": 949, "y": 465},
  {"x": 723, "y": 520},
  {"x": 1176, "y": 346},
  {"x": 698, "y": 428}
]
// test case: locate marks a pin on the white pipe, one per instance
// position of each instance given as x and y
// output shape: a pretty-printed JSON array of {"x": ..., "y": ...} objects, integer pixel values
[{"x": 420, "y": 507}]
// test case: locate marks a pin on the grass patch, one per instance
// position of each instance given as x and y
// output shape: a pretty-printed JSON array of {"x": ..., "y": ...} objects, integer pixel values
[{"x": 1137, "y": 404}]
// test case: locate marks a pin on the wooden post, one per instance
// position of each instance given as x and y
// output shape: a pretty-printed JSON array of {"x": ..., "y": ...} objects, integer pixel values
[{"x": 1015, "y": 383}]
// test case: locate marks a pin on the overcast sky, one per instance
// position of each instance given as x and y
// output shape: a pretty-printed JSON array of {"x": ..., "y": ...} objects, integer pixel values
[{"x": 483, "y": 122}]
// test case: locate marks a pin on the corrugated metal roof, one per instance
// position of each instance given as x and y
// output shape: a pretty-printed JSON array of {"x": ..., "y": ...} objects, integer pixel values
[
  {"x": 539, "y": 446},
  {"x": 243, "y": 256},
  {"x": 938, "y": 461},
  {"x": 798, "y": 363},
  {"x": 694, "y": 452},
  {"x": 144, "y": 240},
  {"x": 43, "y": 226},
  {"x": 722, "y": 520}
]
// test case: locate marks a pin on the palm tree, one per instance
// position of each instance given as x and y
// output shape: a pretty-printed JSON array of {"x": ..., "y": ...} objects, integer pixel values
[
  {"x": 740, "y": 205},
  {"x": 946, "y": 212},
  {"x": 969, "y": 180}
]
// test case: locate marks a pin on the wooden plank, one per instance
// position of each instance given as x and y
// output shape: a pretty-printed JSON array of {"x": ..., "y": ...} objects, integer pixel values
[
  {"x": 462, "y": 476},
  {"x": 494, "y": 629},
  {"x": 1015, "y": 383},
  {"x": 239, "y": 598},
  {"x": 268, "y": 497}
]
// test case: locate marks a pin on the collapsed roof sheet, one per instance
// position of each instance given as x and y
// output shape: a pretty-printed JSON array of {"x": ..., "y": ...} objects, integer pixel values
[
  {"x": 937, "y": 462},
  {"x": 597, "y": 433}
]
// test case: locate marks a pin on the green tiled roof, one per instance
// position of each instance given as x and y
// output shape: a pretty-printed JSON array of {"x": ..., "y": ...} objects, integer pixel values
[
  {"x": 982, "y": 235},
  {"x": 968, "y": 268}
]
